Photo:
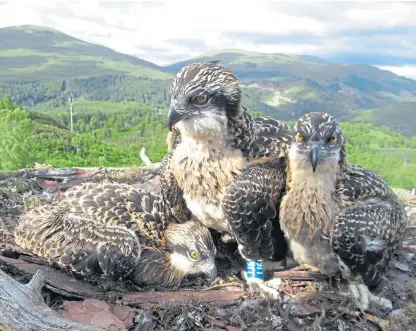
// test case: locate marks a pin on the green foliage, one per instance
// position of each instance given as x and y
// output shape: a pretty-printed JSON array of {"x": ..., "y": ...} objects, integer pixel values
[
  {"x": 400, "y": 117},
  {"x": 15, "y": 136},
  {"x": 108, "y": 134},
  {"x": 390, "y": 154}
]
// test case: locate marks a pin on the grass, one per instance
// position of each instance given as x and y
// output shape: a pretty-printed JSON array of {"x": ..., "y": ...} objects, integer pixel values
[
  {"x": 301, "y": 93},
  {"x": 31, "y": 52},
  {"x": 68, "y": 65}
]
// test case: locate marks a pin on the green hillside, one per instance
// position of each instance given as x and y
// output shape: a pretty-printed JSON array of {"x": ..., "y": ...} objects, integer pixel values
[
  {"x": 297, "y": 84},
  {"x": 109, "y": 134},
  {"x": 40, "y": 66},
  {"x": 30, "y": 52},
  {"x": 400, "y": 117}
]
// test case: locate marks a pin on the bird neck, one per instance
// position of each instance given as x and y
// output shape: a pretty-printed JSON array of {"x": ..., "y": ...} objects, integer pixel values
[
  {"x": 155, "y": 268},
  {"x": 310, "y": 204},
  {"x": 177, "y": 267}
]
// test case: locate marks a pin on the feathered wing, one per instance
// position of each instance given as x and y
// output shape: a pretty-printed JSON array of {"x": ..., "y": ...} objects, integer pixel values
[
  {"x": 260, "y": 139},
  {"x": 77, "y": 242},
  {"x": 250, "y": 206},
  {"x": 120, "y": 204},
  {"x": 365, "y": 235},
  {"x": 171, "y": 192},
  {"x": 273, "y": 138}
]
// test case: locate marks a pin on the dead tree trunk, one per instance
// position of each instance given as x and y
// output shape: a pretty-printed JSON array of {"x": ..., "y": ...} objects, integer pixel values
[
  {"x": 71, "y": 101},
  {"x": 22, "y": 308}
]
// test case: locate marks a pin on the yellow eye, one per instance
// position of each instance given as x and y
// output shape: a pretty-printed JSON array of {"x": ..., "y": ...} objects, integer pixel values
[
  {"x": 194, "y": 255},
  {"x": 299, "y": 137},
  {"x": 332, "y": 139},
  {"x": 201, "y": 99}
]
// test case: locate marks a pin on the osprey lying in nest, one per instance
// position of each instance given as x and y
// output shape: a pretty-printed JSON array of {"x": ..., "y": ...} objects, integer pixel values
[
  {"x": 117, "y": 232},
  {"x": 338, "y": 216}
]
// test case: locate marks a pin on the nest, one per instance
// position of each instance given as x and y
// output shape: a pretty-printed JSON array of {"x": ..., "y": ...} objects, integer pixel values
[{"x": 308, "y": 301}]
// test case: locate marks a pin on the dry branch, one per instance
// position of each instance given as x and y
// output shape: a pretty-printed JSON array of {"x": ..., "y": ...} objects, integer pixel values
[
  {"x": 382, "y": 323},
  {"x": 69, "y": 173},
  {"x": 22, "y": 308},
  {"x": 299, "y": 275},
  {"x": 144, "y": 157},
  {"x": 221, "y": 297},
  {"x": 55, "y": 280}
]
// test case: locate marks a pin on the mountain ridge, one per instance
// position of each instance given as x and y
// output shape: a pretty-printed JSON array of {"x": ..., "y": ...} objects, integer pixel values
[{"x": 39, "y": 66}]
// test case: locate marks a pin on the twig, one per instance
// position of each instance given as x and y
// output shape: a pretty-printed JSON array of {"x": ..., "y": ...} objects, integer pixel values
[
  {"x": 62, "y": 173},
  {"x": 218, "y": 286},
  {"x": 284, "y": 313},
  {"x": 408, "y": 248},
  {"x": 299, "y": 275},
  {"x": 144, "y": 157},
  {"x": 382, "y": 323}
]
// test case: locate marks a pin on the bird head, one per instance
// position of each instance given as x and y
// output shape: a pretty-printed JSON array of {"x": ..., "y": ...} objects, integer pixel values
[
  {"x": 191, "y": 248},
  {"x": 318, "y": 143},
  {"x": 203, "y": 97}
]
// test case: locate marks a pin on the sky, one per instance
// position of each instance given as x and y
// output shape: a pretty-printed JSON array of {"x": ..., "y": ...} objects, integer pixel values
[{"x": 164, "y": 32}]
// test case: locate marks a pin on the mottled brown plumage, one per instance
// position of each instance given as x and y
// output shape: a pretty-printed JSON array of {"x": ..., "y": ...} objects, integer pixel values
[
  {"x": 338, "y": 216},
  {"x": 209, "y": 165},
  {"x": 119, "y": 232}
]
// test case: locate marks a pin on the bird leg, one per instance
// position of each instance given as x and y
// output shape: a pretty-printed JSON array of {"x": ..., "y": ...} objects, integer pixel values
[
  {"x": 269, "y": 288},
  {"x": 363, "y": 297}
]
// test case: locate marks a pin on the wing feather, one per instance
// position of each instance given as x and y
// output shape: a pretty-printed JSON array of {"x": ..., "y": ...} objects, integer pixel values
[
  {"x": 79, "y": 243},
  {"x": 371, "y": 225},
  {"x": 250, "y": 205}
]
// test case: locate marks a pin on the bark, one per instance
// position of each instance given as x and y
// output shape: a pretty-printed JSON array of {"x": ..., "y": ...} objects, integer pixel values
[
  {"x": 70, "y": 173},
  {"x": 221, "y": 297},
  {"x": 299, "y": 275},
  {"x": 22, "y": 308},
  {"x": 55, "y": 280}
]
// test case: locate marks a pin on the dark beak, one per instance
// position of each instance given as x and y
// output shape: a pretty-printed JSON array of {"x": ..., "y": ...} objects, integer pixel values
[
  {"x": 173, "y": 117},
  {"x": 314, "y": 156}
]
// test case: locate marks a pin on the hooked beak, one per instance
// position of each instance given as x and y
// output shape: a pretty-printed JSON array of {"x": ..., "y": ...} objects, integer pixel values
[
  {"x": 314, "y": 156},
  {"x": 173, "y": 116},
  {"x": 210, "y": 270}
]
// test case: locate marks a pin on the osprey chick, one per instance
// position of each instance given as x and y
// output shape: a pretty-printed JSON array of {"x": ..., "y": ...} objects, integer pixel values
[
  {"x": 209, "y": 166},
  {"x": 337, "y": 216},
  {"x": 118, "y": 232}
]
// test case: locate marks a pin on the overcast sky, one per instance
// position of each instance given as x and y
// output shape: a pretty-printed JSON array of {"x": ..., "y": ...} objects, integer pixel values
[{"x": 378, "y": 33}]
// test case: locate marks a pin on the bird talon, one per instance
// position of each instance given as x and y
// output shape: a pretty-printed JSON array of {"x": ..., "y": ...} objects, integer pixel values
[
  {"x": 363, "y": 297},
  {"x": 274, "y": 283},
  {"x": 269, "y": 288}
]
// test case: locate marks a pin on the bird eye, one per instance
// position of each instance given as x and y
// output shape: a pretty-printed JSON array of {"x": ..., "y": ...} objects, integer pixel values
[
  {"x": 332, "y": 139},
  {"x": 299, "y": 137},
  {"x": 201, "y": 99},
  {"x": 194, "y": 255}
]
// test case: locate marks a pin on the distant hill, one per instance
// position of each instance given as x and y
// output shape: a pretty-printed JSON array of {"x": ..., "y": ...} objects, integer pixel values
[
  {"x": 297, "y": 84},
  {"x": 31, "y": 52},
  {"x": 40, "y": 66},
  {"x": 399, "y": 117}
]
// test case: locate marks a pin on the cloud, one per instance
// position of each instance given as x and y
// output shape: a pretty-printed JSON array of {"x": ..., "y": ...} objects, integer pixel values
[
  {"x": 406, "y": 71},
  {"x": 166, "y": 31}
]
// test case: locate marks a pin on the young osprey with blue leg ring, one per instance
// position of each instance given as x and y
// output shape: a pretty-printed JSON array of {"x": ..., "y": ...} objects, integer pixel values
[{"x": 226, "y": 168}]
